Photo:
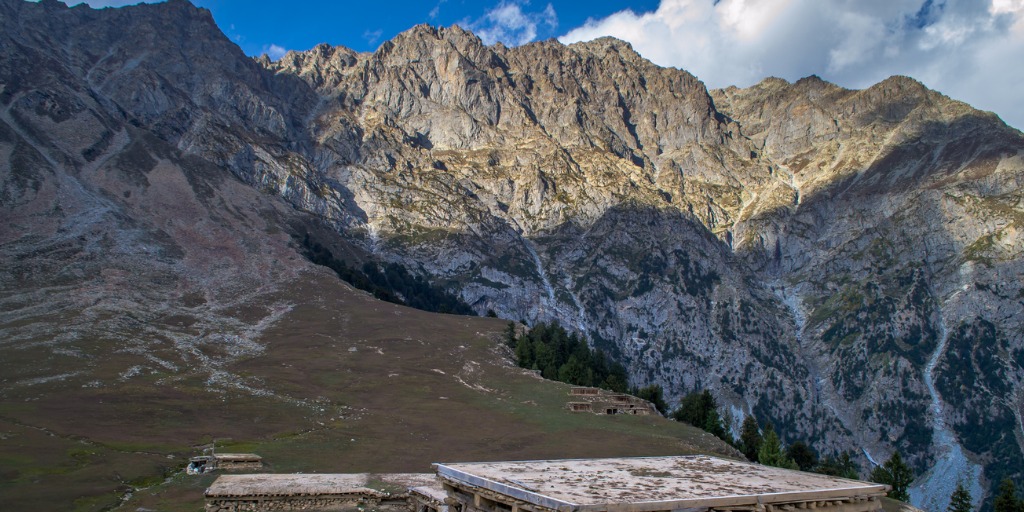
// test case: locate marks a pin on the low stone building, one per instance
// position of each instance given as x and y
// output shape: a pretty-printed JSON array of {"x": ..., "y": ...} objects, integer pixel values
[
  {"x": 414, "y": 492},
  {"x": 642, "y": 484},
  {"x": 224, "y": 461},
  {"x": 601, "y": 401}
]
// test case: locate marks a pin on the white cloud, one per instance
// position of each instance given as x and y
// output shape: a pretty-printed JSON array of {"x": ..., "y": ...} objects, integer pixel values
[
  {"x": 372, "y": 36},
  {"x": 97, "y": 4},
  {"x": 274, "y": 51},
  {"x": 436, "y": 10},
  {"x": 967, "y": 49},
  {"x": 510, "y": 24}
]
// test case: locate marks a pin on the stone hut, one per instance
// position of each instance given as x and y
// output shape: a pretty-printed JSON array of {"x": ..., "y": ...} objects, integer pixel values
[
  {"x": 325, "y": 492},
  {"x": 601, "y": 401},
  {"x": 225, "y": 461}
]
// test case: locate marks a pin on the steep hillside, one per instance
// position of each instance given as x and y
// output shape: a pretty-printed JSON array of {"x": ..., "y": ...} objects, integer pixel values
[{"x": 843, "y": 263}]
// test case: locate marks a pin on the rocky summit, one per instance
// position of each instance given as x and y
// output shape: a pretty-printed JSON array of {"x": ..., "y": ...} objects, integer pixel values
[{"x": 846, "y": 264}]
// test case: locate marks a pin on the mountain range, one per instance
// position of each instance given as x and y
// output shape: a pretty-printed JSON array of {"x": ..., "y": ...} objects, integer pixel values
[{"x": 845, "y": 264}]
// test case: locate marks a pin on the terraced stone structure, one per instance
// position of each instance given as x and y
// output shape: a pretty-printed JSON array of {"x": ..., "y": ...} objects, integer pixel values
[
  {"x": 324, "y": 492},
  {"x": 224, "y": 461},
  {"x": 600, "y": 401},
  {"x": 649, "y": 484}
]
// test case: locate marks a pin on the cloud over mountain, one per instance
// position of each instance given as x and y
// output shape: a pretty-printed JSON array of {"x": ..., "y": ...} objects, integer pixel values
[
  {"x": 962, "y": 48},
  {"x": 509, "y": 23}
]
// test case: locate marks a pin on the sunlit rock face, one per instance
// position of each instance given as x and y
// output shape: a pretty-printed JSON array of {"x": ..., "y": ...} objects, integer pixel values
[{"x": 846, "y": 264}]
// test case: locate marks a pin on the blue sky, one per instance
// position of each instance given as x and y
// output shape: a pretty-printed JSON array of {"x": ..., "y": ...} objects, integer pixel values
[
  {"x": 259, "y": 26},
  {"x": 970, "y": 50}
]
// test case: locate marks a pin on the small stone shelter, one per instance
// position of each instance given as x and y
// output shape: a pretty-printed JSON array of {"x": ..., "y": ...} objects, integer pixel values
[
  {"x": 600, "y": 401},
  {"x": 225, "y": 461},
  {"x": 412, "y": 492}
]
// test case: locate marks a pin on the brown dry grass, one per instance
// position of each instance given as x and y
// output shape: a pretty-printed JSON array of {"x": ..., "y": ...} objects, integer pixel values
[{"x": 350, "y": 384}]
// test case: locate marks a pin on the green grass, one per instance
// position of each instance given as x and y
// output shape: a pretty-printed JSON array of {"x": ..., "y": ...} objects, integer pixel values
[
  {"x": 981, "y": 249},
  {"x": 847, "y": 300}
]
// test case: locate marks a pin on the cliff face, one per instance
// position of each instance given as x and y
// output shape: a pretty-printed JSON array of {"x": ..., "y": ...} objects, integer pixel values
[
  {"x": 846, "y": 264},
  {"x": 904, "y": 259}
]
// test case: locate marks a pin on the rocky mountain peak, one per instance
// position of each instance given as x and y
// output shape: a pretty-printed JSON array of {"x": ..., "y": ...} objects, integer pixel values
[
  {"x": 605, "y": 44},
  {"x": 814, "y": 87},
  {"x": 426, "y": 39},
  {"x": 320, "y": 66}
]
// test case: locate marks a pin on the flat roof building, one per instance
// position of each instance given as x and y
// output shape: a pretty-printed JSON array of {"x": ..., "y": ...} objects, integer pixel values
[
  {"x": 226, "y": 461},
  {"x": 649, "y": 484},
  {"x": 412, "y": 492}
]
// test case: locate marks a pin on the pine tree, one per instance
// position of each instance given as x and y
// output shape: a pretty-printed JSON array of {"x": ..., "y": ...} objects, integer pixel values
[
  {"x": 510, "y": 335},
  {"x": 896, "y": 474},
  {"x": 574, "y": 372},
  {"x": 1007, "y": 500},
  {"x": 841, "y": 466},
  {"x": 653, "y": 394},
  {"x": 960, "y": 501},
  {"x": 615, "y": 383},
  {"x": 524, "y": 352},
  {"x": 713, "y": 425},
  {"x": 771, "y": 454},
  {"x": 693, "y": 408},
  {"x": 803, "y": 455},
  {"x": 750, "y": 438}
]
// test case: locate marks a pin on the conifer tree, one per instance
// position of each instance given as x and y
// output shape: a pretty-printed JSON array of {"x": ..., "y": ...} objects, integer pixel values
[
  {"x": 750, "y": 438},
  {"x": 896, "y": 474},
  {"x": 653, "y": 394},
  {"x": 841, "y": 466},
  {"x": 713, "y": 425},
  {"x": 510, "y": 335},
  {"x": 771, "y": 453},
  {"x": 803, "y": 455},
  {"x": 574, "y": 372},
  {"x": 1007, "y": 500},
  {"x": 524, "y": 352},
  {"x": 700, "y": 409},
  {"x": 960, "y": 501}
]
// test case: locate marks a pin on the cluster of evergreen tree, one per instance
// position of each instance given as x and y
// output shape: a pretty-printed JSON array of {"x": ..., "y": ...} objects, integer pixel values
[
  {"x": 653, "y": 394},
  {"x": 390, "y": 282},
  {"x": 565, "y": 357},
  {"x": 1007, "y": 499},
  {"x": 841, "y": 465},
  {"x": 767, "y": 449},
  {"x": 960, "y": 501},
  {"x": 896, "y": 474},
  {"x": 701, "y": 410}
]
